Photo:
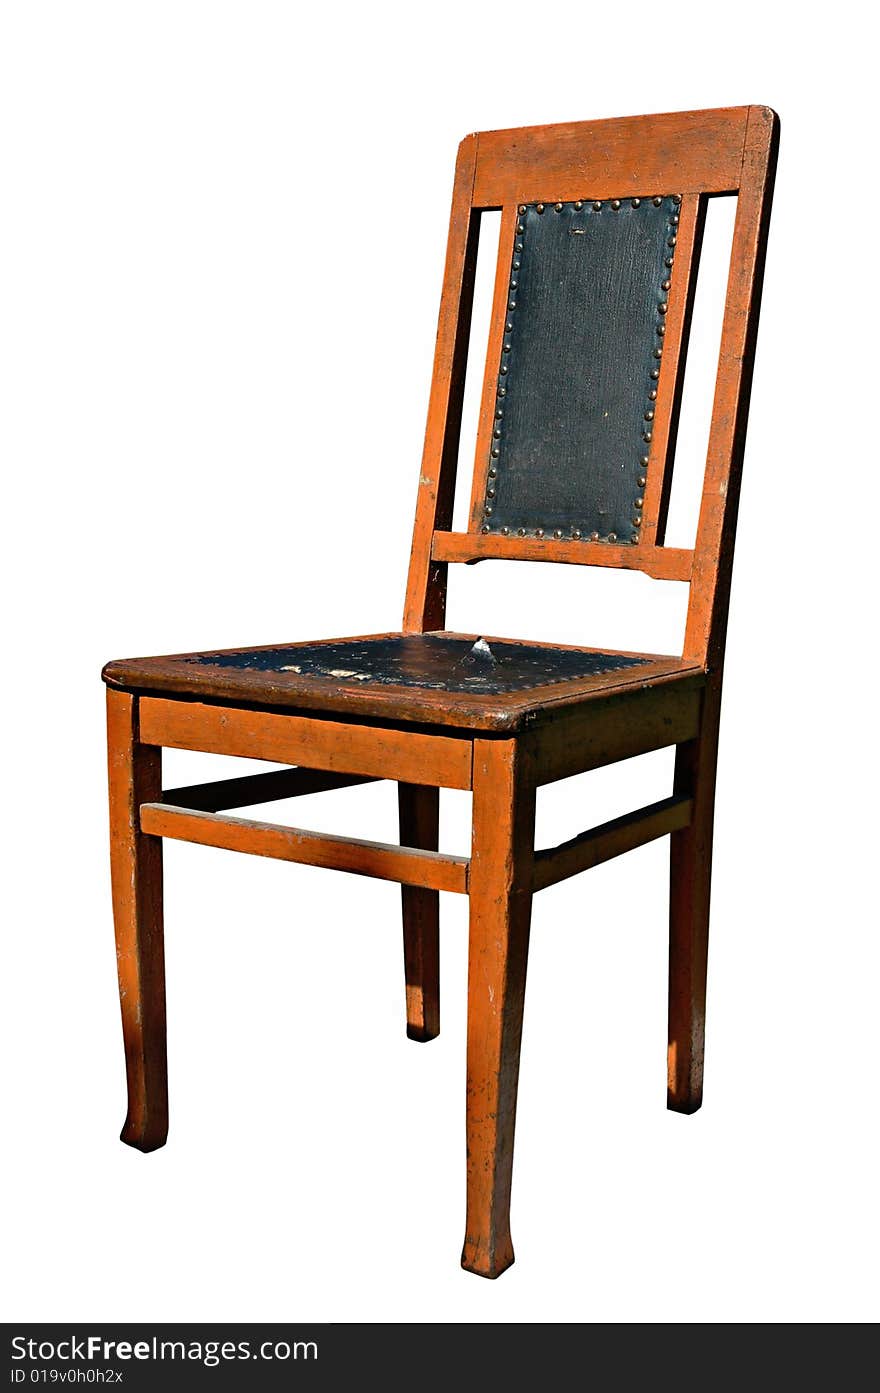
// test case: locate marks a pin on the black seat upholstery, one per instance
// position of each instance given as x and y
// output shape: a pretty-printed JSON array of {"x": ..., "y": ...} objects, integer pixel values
[{"x": 435, "y": 661}]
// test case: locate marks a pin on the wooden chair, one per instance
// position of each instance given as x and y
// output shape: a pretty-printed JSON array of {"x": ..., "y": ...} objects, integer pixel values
[{"x": 601, "y": 226}]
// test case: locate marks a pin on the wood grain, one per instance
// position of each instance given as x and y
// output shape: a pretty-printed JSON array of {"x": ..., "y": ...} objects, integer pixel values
[
  {"x": 419, "y": 812},
  {"x": 500, "y": 912},
  {"x": 503, "y": 746},
  {"x": 680, "y": 299},
  {"x": 677, "y": 152},
  {"x": 425, "y": 605},
  {"x": 690, "y": 881},
  {"x": 135, "y": 774},
  {"x": 386, "y": 754},
  {"x": 632, "y": 723},
  {"x": 377, "y": 859},
  {"x": 663, "y": 563},
  {"x": 706, "y": 628},
  {"x": 426, "y": 708},
  {"x": 610, "y": 839}
]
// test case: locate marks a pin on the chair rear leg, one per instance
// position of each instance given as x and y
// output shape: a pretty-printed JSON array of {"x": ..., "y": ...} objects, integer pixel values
[
  {"x": 419, "y": 808},
  {"x": 135, "y": 772},
  {"x": 500, "y": 890},
  {"x": 690, "y": 880}
]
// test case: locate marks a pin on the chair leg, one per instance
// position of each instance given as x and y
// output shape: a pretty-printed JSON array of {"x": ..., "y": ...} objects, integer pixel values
[
  {"x": 136, "y": 871},
  {"x": 500, "y": 890},
  {"x": 419, "y": 808},
  {"x": 690, "y": 879}
]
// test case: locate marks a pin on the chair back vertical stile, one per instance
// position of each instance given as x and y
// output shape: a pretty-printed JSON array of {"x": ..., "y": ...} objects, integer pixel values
[{"x": 602, "y": 226}]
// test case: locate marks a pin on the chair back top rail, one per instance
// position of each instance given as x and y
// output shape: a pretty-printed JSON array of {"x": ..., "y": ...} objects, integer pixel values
[{"x": 599, "y": 250}]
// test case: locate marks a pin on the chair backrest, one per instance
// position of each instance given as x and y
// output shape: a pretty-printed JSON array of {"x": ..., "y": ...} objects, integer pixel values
[{"x": 601, "y": 228}]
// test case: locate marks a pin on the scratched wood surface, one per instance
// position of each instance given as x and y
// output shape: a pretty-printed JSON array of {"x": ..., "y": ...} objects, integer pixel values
[
  {"x": 376, "y": 859},
  {"x": 357, "y": 701},
  {"x": 407, "y": 755},
  {"x": 503, "y": 747}
]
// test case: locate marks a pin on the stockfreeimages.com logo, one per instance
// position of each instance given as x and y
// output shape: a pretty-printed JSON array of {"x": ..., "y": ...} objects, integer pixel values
[{"x": 94, "y": 1349}]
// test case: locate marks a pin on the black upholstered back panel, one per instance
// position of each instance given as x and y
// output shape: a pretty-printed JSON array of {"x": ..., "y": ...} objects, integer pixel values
[{"x": 580, "y": 360}]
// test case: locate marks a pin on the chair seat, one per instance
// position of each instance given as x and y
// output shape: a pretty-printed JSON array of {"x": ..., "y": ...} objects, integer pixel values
[{"x": 435, "y": 678}]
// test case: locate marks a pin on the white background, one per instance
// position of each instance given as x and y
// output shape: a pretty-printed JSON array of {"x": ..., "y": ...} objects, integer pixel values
[{"x": 222, "y": 236}]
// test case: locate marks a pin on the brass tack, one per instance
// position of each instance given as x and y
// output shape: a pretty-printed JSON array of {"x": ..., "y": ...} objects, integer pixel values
[
  {"x": 657, "y": 201},
  {"x": 505, "y": 531},
  {"x": 664, "y": 285},
  {"x": 497, "y": 434},
  {"x": 511, "y": 304},
  {"x": 521, "y": 208},
  {"x": 506, "y": 346},
  {"x": 652, "y": 395},
  {"x": 634, "y": 538},
  {"x": 513, "y": 283},
  {"x": 557, "y": 207},
  {"x": 502, "y": 391},
  {"x": 539, "y": 207},
  {"x": 644, "y": 461},
  {"x": 495, "y": 452},
  {"x": 487, "y": 509},
  {"x": 612, "y": 536},
  {"x": 674, "y": 220},
  {"x": 661, "y": 329},
  {"x": 615, "y": 204},
  {"x": 637, "y": 519},
  {"x": 636, "y": 202},
  {"x": 676, "y": 198},
  {"x": 655, "y": 373},
  {"x": 504, "y": 367},
  {"x": 520, "y": 227},
  {"x": 640, "y": 502},
  {"x": 663, "y": 306},
  {"x": 518, "y": 247},
  {"x": 641, "y": 481},
  {"x": 579, "y": 205},
  {"x": 508, "y": 326},
  {"x": 649, "y": 415},
  {"x": 492, "y": 473},
  {"x": 484, "y": 530},
  {"x": 597, "y": 205},
  {"x": 658, "y": 352},
  {"x": 594, "y": 537},
  {"x": 668, "y": 261},
  {"x": 672, "y": 241},
  {"x": 557, "y": 534},
  {"x": 498, "y": 414},
  {"x": 648, "y": 436},
  {"x": 539, "y": 531},
  {"x": 516, "y": 265},
  {"x": 521, "y": 532},
  {"x": 576, "y": 534}
]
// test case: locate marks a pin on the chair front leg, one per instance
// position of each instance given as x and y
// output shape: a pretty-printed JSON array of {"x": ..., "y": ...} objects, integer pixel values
[
  {"x": 135, "y": 775},
  {"x": 419, "y": 808},
  {"x": 690, "y": 883},
  {"x": 500, "y": 888}
]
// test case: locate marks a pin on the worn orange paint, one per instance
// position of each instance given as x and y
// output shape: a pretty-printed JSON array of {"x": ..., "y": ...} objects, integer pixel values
[
  {"x": 682, "y": 284},
  {"x": 419, "y": 810},
  {"x": 391, "y": 754},
  {"x": 663, "y": 563},
  {"x": 376, "y": 859},
  {"x": 502, "y": 746},
  {"x": 500, "y": 889},
  {"x": 135, "y": 775}
]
